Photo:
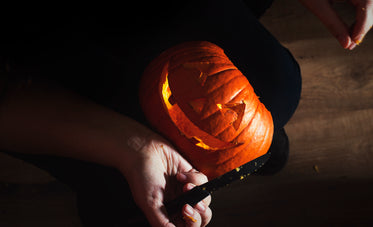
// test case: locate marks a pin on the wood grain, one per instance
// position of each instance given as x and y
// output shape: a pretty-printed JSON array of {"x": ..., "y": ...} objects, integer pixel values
[{"x": 329, "y": 179}]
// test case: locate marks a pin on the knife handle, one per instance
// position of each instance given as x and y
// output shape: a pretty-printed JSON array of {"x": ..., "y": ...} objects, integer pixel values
[{"x": 191, "y": 197}]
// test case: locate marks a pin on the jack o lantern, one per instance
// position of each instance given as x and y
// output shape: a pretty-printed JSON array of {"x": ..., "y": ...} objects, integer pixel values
[{"x": 194, "y": 95}]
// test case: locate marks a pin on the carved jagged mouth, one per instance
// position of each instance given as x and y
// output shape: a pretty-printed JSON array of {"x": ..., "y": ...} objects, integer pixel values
[{"x": 198, "y": 136}]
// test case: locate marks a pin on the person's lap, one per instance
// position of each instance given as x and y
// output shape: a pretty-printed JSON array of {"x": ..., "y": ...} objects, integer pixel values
[
  {"x": 109, "y": 66},
  {"x": 269, "y": 67},
  {"x": 102, "y": 193}
]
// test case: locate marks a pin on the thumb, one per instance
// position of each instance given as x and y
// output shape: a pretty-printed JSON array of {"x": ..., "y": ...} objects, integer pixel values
[
  {"x": 327, "y": 15},
  {"x": 364, "y": 21}
]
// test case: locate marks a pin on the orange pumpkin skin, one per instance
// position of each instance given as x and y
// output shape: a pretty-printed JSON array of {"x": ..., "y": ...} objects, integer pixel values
[{"x": 194, "y": 95}]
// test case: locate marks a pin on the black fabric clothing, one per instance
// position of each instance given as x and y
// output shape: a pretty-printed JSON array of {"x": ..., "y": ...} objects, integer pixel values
[{"x": 101, "y": 54}]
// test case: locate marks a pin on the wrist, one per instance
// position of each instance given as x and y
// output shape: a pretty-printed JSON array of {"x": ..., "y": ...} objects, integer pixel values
[{"x": 134, "y": 140}]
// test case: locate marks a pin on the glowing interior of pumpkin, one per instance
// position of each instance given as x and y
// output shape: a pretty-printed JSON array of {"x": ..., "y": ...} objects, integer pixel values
[{"x": 186, "y": 126}]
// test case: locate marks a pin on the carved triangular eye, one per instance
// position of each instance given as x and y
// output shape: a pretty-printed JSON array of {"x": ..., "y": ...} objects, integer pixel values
[
  {"x": 198, "y": 104},
  {"x": 237, "y": 109}
]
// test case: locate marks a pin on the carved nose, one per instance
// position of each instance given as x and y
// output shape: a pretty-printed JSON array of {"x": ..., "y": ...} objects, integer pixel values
[
  {"x": 238, "y": 110},
  {"x": 231, "y": 113}
]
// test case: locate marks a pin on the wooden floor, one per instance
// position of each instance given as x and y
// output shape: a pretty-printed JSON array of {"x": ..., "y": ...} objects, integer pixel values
[{"x": 329, "y": 177}]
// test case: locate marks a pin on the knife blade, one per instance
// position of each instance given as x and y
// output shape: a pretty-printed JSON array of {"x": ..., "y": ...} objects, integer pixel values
[{"x": 200, "y": 192}]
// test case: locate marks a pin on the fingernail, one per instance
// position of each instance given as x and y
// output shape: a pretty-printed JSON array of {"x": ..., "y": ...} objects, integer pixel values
[
  {"x": 352, "y": 46},
  {"x": 189, "y": 210},
  {"x": 189, "y": 213},
  {"x": 189, "y": 186},
  {"x": 201, "y": 206}
]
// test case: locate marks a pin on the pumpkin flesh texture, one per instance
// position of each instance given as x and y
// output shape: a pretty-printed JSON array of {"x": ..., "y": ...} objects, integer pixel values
[{"x": 194, "y": 95}]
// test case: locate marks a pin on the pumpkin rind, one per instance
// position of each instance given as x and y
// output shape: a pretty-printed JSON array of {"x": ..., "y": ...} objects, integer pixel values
[{"x": 194, "y": 95}]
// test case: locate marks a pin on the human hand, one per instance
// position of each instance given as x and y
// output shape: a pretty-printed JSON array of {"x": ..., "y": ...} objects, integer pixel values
[
  {"x": 347, "y": 37},
  {"x": 154, "y": 170},
  {"x": 158, "y": 173}
]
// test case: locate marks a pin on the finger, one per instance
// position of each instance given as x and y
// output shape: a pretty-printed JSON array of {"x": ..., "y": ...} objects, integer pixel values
[
  {"x": 206, "y": 216},
  {"x": 204, "y": 212},
  {"x": 324, "y": 11},
  {"x": 200, "y": 215},
  {"x": 364, "y": 21},
  {"x": 192, "y": 176},
  {"x": 191, "y": 216},
  {"x": 190, "y": 186},
  {"x": 352, "y": 46}
]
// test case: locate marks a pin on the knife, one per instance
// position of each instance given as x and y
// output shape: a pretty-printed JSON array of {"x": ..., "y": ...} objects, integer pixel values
[{"x": 200, "y": 192}]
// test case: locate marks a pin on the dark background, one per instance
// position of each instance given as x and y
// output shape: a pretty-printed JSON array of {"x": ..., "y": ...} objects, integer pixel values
[{"x": 328, "y": 180}]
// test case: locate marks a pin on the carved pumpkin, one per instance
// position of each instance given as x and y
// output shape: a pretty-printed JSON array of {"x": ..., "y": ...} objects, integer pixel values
[{"x": 194, "y": 95}]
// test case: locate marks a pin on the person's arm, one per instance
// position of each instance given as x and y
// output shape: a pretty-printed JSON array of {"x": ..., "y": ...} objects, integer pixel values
[
  {"x": 46, "y": 119},
  {"x": 347, "y": 36}
]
